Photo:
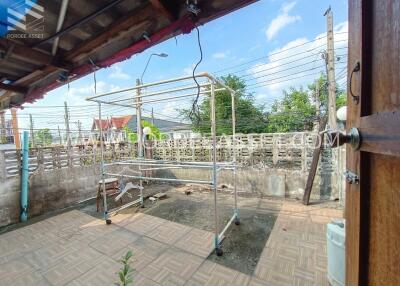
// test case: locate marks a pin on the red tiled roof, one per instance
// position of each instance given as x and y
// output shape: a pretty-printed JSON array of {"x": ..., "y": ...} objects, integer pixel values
[
  {"x": 120, "y": 122},
  {"x": 105, "y": 124}
]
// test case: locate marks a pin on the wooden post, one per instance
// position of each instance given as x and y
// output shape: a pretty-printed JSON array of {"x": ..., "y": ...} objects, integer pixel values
[{"x": 314, "y": 164}]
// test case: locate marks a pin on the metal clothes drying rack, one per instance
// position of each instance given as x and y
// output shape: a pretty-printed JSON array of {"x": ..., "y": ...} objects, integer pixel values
[{"x": 208, "y": 85}]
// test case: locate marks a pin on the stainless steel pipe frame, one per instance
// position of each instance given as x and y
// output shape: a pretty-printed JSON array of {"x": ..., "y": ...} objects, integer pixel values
[
  {"x": 150, "y": 161},
  {"x": 163, "y": 164}
]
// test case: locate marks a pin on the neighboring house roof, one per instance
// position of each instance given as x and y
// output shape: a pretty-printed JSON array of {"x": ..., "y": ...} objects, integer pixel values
[
  {"x": 163, "y": 125},
  {"x": 130, "y": 121},
  {"x": 105, "y": 124},
  {"x": 120, "y": 122}
]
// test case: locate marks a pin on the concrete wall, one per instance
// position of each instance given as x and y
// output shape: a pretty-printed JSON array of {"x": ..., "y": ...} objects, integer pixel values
[
  {"x": 266, "y": 181},
  {"x": 55, "y": 189},
  {"x": 50, "y": 190},
  {"x": 47, "y": 191},
  {"x": 57, "y": 181}
]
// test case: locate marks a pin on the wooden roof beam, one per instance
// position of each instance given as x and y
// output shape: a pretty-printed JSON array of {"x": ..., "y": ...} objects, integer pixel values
[
  {"x": 32, "y": 56},
  {"x": 13, "y": 88},
  {"x": 25, "y": 53},
  {"x": 161, "y": 7},
  {"x": 136, "y": 17}
]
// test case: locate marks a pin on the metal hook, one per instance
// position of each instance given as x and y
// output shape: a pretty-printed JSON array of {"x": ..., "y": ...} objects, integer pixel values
[{"x": 356, "y": 98}]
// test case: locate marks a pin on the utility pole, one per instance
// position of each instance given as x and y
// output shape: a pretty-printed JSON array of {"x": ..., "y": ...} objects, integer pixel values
[
  {"x": 330, "y": 63},
  {"x": 32, "y": 134},
  {"x": 66, "y": 117},
  {"x": 79, "y": 133},
  {"x": 2, "y": 128},
  {"x": 67, "y": 132},
  {"x": 17, "y": 142},
  {"x": 152, "y": 116},
  {"x": 317, "y": 106},
  {"x": 59, "y": 135}
]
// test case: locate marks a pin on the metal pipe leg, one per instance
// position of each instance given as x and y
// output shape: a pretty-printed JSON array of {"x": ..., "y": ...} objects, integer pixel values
[
  {"x": 141, "y": 194},
  {"x": 237, "y": 216},
  {"x": 218, "y": 249},
  {"x": 108, "y": 221}
]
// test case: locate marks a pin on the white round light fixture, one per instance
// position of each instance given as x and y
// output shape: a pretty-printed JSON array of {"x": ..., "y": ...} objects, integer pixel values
[
  {"x": 341, "y": 113},
  {"x": 146, "y": 130}
]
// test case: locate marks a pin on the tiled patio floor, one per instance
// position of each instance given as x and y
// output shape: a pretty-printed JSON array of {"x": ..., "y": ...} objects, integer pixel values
[{"x": 75, "y": 249}]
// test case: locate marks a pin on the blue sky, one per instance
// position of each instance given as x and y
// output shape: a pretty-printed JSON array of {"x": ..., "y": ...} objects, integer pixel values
[{"x": 271, "y": 31}]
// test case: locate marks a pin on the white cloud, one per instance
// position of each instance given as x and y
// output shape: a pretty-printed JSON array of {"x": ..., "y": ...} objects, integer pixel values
[
  {"x": 255, "y": 47},
  {"x": 297, "y": 63},
  {"x": 188, "y": 70},
  {"x": 118, "y": 73},
  {"x": 220, "y": 55},
  {"x": 282, "y": 20}
]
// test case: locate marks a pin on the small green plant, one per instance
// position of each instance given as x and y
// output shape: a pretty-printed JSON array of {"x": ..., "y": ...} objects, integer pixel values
[{"x": 125, "y": 273}]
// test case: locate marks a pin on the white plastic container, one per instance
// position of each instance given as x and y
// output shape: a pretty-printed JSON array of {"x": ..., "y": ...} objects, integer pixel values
[{"x": 335, "y": 239}]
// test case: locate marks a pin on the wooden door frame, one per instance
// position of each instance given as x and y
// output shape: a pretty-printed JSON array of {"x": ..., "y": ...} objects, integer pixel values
[{"x": 380, "y": 134}]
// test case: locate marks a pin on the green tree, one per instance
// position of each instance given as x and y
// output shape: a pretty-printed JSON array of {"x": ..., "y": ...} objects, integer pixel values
[
  {"x": 341, "y": 99},
  {"x": 249, "y": 117},
  {"x": 296, "y": 111},
  {"x": 321, "y": 85},
  {"x": 44, "y": 137}
]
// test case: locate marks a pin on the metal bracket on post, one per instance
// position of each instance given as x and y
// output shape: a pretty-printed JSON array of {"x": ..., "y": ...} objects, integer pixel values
[{"x": 351, "y": 178}]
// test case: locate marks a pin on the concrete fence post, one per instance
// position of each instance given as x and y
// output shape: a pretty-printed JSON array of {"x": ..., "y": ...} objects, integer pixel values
[
  {"x": 40, "y": 159},
  {"x": 3, "y": 170},
  {"x": 304, "y": 153},
  {"x": 274, "y": 150}
]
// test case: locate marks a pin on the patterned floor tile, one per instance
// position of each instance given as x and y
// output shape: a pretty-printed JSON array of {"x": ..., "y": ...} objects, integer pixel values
[
  {"x": 173, "y": 266},
  {"x": 32, "y": 278},
  {"x": 295, "y": 253},
  {"x": 75, "y": 249},
  {"x": 169, "y": 232},
  {"x": 114, "y": 241},
  {"x": 14, "y": 270},
  {"x": 211, "y": 273},
  {"x": 72, "y": 266},
  {"x": 144, "y": 224},
  {"x": 145, "y": 250},
  {"x": 105, "y": 272},
  {"x": 197, "y": 241}
]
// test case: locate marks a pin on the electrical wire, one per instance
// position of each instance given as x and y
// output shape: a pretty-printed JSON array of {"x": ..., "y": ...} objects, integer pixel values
[
  {"x": 194, "y": 111},
  {"x": 279, "y": 52}
]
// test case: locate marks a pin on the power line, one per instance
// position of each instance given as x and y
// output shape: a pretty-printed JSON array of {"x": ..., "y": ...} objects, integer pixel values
[
  {"x": 290, "y": 68},
  {"x": 279, "y": 52}
]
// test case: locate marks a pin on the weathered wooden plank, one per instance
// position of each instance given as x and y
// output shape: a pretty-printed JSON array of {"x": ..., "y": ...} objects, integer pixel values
[{"x": 314, "y": 164}]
